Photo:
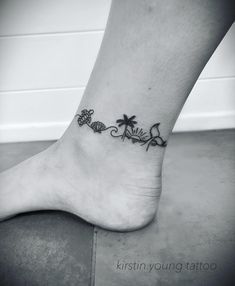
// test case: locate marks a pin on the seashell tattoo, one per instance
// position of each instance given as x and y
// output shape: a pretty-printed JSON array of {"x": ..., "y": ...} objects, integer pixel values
[
  {"x": 149, "y": 138},
  {"x": 98, "y": 126}
]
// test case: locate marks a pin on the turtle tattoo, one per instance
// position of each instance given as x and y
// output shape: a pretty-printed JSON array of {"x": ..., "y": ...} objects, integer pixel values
[
  {"x": 85, "y": 117},
  {"x": 135, "y": 135}
]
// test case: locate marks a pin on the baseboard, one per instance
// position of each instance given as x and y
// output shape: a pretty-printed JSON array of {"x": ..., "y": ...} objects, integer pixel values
[
  {"x": 45, "y": 114},
  {"x": 54, "y": 130},
  {"x": 32, "y": 132},
  {"x": 205, "y": 121}
]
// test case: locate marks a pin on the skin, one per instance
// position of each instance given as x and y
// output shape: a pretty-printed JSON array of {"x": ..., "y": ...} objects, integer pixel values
[{"x": 151, "y": 56}]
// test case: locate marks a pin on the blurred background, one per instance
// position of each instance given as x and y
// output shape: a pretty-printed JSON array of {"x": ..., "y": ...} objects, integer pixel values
[{"x": 47, "y": 51}]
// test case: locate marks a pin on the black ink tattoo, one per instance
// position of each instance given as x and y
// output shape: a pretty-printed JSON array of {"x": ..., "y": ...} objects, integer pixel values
[{"x": 135, "y": 134}]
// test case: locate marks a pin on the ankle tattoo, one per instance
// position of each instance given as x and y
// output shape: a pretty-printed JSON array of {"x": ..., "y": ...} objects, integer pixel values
[{"x": 132, "y": 133}]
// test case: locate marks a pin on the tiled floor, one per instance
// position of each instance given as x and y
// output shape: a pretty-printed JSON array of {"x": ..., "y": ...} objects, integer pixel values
[{"x": 195, "y": 225}]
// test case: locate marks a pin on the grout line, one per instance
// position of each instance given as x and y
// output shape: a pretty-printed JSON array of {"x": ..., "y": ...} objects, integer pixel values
[
  {"x": 93, "y": 258},
  {"x": 216, "y": 78},
  {"x": 43, "y": 89},
  {"x": 68, "y": 33}
]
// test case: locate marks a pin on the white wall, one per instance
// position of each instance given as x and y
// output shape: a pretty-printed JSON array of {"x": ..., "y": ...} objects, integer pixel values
[{"x": 47, "y": 50}]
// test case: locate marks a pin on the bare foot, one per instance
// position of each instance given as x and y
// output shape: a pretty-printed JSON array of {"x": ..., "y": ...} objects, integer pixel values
[{"x": 107, "y": 182}]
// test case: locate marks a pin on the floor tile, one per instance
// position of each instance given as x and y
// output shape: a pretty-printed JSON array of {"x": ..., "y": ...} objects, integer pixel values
[
  {"x": 195, "y": 222},
  {"x": 43, "y": 248}
]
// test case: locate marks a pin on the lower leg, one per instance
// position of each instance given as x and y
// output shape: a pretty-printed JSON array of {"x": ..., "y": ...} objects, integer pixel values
[{"x": 151, "y": 56}]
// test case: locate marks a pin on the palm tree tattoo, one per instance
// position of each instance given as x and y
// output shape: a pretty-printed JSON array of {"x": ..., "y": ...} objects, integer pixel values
[
  {"x": 152, "y": 137},
  {"x": 127, "y": 122}
]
